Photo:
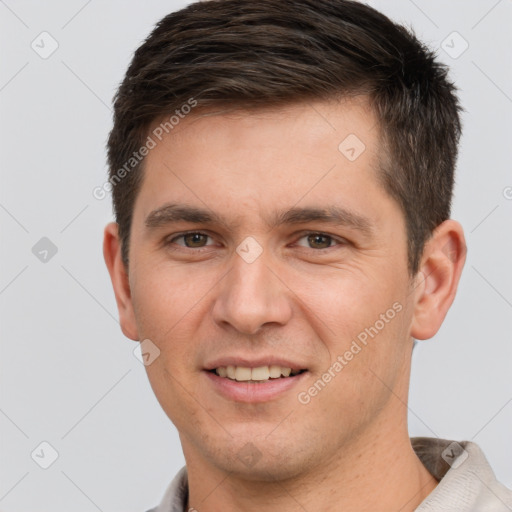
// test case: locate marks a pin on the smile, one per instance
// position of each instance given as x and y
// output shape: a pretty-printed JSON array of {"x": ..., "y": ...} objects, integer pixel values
[
  {"x": 256, "y": 384},
  {"x": 255, "y": 375}
]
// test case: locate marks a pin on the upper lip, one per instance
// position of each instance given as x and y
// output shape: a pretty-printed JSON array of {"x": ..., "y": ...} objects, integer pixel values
[{"x": 253, "y": 362}]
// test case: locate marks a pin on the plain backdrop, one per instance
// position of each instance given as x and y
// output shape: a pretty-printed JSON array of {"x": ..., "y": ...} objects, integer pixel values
[{"x": 69, "y": 378}]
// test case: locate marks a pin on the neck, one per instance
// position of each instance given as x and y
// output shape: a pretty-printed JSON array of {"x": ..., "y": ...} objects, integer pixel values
[{"x": 379, "y": 472}]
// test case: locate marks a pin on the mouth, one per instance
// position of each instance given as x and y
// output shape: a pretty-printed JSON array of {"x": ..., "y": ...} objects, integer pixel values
[
  {"x": 254, "y": 384},
  {"x": 257, "y": 375}
]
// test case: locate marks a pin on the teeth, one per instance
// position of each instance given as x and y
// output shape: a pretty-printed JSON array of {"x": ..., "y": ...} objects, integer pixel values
[
  {"x": 222, "y": 371},
  {"x": 261, "y": 373},
  {"x": 242, "y": 373},
  {"x": 230, "y": 371},
  {"x": 275, "y": 371}
]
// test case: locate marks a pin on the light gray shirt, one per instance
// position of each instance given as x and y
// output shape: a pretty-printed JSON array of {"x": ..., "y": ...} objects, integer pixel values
[{"x": 466, "y": 480}]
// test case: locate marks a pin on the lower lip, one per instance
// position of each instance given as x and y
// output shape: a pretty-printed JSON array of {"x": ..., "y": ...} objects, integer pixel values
[{"x": 253, "y": 392}]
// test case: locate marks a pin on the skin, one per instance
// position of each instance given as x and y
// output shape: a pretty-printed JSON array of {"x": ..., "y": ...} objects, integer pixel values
[{"x": 348, "y": 448}]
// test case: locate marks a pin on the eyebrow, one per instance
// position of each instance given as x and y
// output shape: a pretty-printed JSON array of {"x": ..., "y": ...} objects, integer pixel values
[{"x": 335, "y": 215}]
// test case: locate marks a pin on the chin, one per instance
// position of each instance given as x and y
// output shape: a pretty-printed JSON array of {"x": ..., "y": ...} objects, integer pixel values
[
  {"x": 264, "y": 470},
  {"x": 255, "y": 458}
]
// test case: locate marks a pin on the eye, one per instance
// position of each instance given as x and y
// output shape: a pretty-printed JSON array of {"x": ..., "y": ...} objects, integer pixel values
[
  {"x": 192, "y": 240},
  {"x": 319, "y": 241}
]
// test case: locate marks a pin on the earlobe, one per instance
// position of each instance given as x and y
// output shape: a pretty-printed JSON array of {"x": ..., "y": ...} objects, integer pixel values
[
  {"x": 120, "y": 282},
  {"x": 438, "y": 278}
]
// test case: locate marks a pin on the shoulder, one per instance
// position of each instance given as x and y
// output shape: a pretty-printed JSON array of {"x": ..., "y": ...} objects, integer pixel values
[
  {"x": 176, "y": 494},
  {"x": 466, "y": 479}
]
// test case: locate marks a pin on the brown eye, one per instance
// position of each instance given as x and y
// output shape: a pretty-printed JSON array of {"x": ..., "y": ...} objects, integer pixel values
[
  {"x": 195, "y": 239},
  {"x": 191, "y": 240},
  {"x": 319, "y": 241}
]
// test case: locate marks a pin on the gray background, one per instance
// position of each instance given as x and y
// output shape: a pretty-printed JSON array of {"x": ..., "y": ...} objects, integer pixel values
[{"x": 68, "y": 375}]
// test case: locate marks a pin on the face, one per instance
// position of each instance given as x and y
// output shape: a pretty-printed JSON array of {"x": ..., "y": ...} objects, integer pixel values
[{"x": 297, "y": 260}]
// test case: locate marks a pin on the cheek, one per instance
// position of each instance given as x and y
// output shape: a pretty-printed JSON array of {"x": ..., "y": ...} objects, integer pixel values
[
  {"x": 363, "y": 324},
  {"x": 168, "y": 319},
  {"x": 351, "y": 395},
  {"x": 345, "y": 305},
  {"x": 173, "y": 392},
  {"x": 165, "y": 297},
  {"x": 166, "y": 314}
]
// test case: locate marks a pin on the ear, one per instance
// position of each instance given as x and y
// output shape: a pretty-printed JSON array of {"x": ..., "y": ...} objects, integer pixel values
[
  {"x": 437, "y": 280},
  {"x": 119, "y": 276}
]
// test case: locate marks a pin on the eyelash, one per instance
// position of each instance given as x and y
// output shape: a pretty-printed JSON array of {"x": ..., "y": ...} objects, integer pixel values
[{"x": 337, "y": 241}]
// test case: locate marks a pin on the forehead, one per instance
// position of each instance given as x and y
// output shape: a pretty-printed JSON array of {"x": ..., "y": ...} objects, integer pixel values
[{"x": 265, "y": 160}]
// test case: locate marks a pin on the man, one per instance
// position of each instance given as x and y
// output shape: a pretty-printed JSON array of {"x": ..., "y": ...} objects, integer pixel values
[{"x": 282, "y": 174}]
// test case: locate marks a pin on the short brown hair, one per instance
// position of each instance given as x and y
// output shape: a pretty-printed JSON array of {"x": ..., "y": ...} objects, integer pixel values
[{"x": 250, "y": 54}]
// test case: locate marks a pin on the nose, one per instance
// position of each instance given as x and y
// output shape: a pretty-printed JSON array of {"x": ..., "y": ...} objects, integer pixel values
[{"x": 252, "y": 295}]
